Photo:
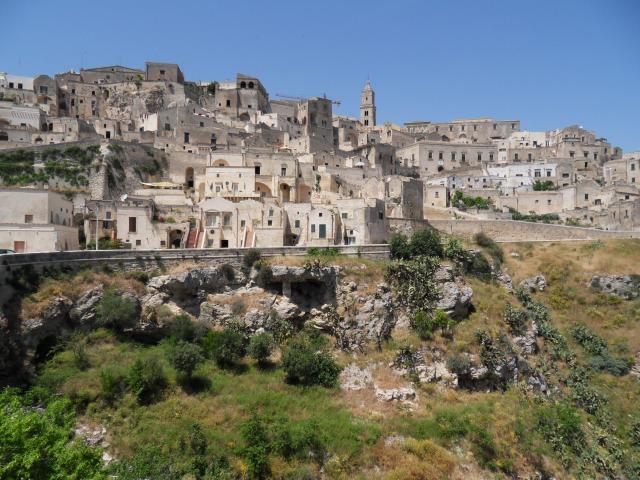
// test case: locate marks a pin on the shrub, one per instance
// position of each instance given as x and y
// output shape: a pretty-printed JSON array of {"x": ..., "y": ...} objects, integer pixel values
[
  {"x": 256, "y": 448},
  {"x": 399, "y": 247},
  {"x": 111, "y": 386},
  {"x": 80, "y": 357},
  {"x": 610, "y": 364},
  {"x": 238, "y": 307},
  {"x": 297, "y": 439},
  {"x": 460, "y": 364},
  {"x": 306, "y": 366},
  {"x": 264, "y": 275},
  {"x": 146, "y": 380},
  {"x": 543, "y": 186},
  {"x": 183, "y": 329},
  {"x": 228, "y": 272},
  {"x": 250, "y": 257},
  {"x": 226, "y": 347},
  {"x": 427, "y": 243},
  {"x": 424, "y": 325},
  {"x": 260, "y": 347},
  {"x": 116, "y": 311},
  {"x": 492, "y": 247},
  {"x": 516, "y": 318},
  {"x": 476, "y": 264},
  {"x": 588, "y": 339},
  {"x": 561, "y": 426},
  {"x": 185, "y": 357},
  {"x": 323, "y": 252},
  {"x": 453, "y": 250},
  {"x": 38, "y": 443},
  {"x": 280, "y": 328},
  {"x": 414, "y": 283}
]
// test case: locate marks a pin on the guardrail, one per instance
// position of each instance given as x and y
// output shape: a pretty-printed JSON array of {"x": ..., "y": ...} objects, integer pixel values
[{"x": 217, "y": 255}]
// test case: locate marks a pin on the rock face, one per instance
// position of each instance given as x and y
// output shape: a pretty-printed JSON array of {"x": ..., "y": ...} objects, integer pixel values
[
  {"x": 532, "y": 284},
  {"x": 455, "y": 295},
  {"x": 359, "y": 318},
  {"x": 191, "y": 286},
  {"x": 83, "y": 313},
  {"x": 401, "y": 394},
  {"x": 622, "y": 286},
  {"x": 504, "y": 279},
  {"x": 52, "y": 324}
]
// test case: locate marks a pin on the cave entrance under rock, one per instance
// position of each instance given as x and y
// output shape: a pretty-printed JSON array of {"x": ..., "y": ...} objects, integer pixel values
[{"x": 307, "y": 294}]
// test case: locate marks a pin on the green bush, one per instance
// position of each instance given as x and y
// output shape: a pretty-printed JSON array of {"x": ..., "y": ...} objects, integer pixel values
[
  {"x": 250, "y": 257},
  {"x": 38, "y": 443},
  {"x": 304, "y": 365},
  {"x": 399, "y": 247},
  {"x": 426, "y": 243},
  {"x": 561, "y": 426},
  {"x": 185, "y": 358},
  {"x": 492, "y": 247},
  {"x": 116, "y": 311},
  {"x": 146, "y": 380},
  {"x": 543, "y": 186},
  {"x": 461, "y": 201},
  {"x": 297, "y": 439},
  {"x": 610, "y": 364},
  {"x": 264, "y": 275},
  {"x": 414, "y": 283},
  {"x": 516, "y": 318},
  {"x": 256, "y": 448},
  {"x": 323, "y": 252},
  {"x": 112, "y": 386},
  {"x": 260, "y": 347},
  {"x": 588, "y": 339},
  {"x": 426, "y": 325},
  {"x": 226, "y": 347},
  {"x": 80, "y": 356}
]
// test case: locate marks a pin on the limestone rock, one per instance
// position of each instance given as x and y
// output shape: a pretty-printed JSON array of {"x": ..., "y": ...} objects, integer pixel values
[
  {"x": 455, "y": 299},
  {"x": 52, "y": 323},
  {"x": 532, "y": 284},
  {"x": 504, "y": 279},
  {"x": 192, "y": 283},
  {"x": 355, "y": 378},
  {"x": 622, "y": 286},
  {"x": 83, "y": 312},
  {"x": 401, "y": 394}
]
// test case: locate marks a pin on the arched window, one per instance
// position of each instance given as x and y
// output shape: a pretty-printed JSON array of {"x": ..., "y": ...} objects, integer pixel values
[
  {"x": 243, "y": 84},
  {"x": 250, "y": 84}
]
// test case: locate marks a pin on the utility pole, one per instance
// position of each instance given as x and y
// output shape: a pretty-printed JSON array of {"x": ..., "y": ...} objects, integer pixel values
[{"x": 97, "y": 221}]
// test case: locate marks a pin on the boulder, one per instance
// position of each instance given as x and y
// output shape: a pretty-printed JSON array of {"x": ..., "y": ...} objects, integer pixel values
[
  {"x": 621, "y": 286},
  {"x": 355, "y": 378},
  {"x": 401, "y": 394},
  {"x": 504, "y": 279},
  {"x": 532, "y": 284},
  {"x": 83, "y": 313},
  {"x": 455, "y": 299}
]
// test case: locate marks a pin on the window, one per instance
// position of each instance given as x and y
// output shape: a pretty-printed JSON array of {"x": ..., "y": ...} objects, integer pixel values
[
  {"x": 633, "y": 166},
  {"x": 572, "y": 154},
  {"x": 380, "y": 215},
  {"x": 283, "y": 171},
  {"x": 440, "y": 154},
  {"x": 366, "y": 113},
  {"x": 202, "y": 124},
  {"x": 495, "y": 127},
  {"x": 108, "y": 216},
  {"x": 19, "y": 86},
  {"x": 138, "y": 243},
  {"x": 479, "y": 156},
  {"x": 161, "y": 72},
  {"x": 586, "y": 196},
  {"x": 529, "y": 157},
  {"x": 10, "y": 84},
  {"x": 313, "y": 228},
  {"x": 344, "y": 215},
  {"x": 464, "y": 157},
  {"x": 366, "y": 123},
  {"x": 132, "y": 224},
  {"x": 228, "y": 103},
  {"x": 491, "y": 157},
  {"x": 296, "y": 224},
  {"x": 163, "y": 243},
  {"x": 44, "y": 89},
  {"x": 586, "y": 154},
  {"x": 257, "y": 169},
  {"x": 186, "y": 137},
  {"x": 430, "y": 155},
  {"x": 322, "y": 233},
  {"x": 537, "y": 173},
  {"x": 28, "y": 219},
  {"x": 548, "y": 202}
]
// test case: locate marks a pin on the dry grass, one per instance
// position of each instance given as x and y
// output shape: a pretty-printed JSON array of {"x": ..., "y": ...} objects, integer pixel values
[{"x": 73, "y": 288}]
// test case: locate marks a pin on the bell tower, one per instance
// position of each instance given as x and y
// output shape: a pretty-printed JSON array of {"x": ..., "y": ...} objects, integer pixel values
[{"x": 368, "y": 106}]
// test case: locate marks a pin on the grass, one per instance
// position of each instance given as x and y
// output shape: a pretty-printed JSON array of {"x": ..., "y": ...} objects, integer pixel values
[{"x": 448, "y": 433}]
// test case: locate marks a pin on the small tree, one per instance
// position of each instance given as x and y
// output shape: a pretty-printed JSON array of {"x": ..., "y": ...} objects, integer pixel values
[
  {"x": 257, "y": 446},
  {"x": 185, "y": 357},
  {"x": 426, "y": 242},
  {"x": 116, "y": 310},
  {"x": 260, "y": 347},
  {"x": 250, "y": 257},
  {"x": 306, "y": 366},
  {"x": 226, "y": 347},
  {"x": 146, "y": 380},
  {"x": 399, "y": 246}
]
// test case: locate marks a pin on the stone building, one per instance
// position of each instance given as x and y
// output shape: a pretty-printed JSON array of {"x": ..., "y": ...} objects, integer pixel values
[
  {"x": 473, "y": 130},
  {"x": 163, "y": 72},
  {"x": 34, "y": 220}
]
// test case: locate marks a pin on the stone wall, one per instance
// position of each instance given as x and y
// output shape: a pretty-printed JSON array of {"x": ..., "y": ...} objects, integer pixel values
[
  {"x": 511, "y": 230},
  {"x": 129, "y": 260}
]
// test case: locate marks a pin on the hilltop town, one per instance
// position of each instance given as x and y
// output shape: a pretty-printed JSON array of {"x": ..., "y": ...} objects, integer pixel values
[{"x": 144, "y": 159}]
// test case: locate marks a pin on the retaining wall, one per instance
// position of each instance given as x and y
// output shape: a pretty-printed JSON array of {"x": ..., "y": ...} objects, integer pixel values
[{"x": 512, "y": 230}]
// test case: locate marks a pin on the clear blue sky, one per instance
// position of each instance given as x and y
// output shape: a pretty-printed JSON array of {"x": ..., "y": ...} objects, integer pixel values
[{"x": 548, "y": 63}]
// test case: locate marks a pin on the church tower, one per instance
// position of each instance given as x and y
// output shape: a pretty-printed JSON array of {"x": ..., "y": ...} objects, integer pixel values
[{"x": 368, "y": 106}]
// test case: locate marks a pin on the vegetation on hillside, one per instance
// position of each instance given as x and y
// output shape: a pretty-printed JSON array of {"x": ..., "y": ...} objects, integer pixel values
[{"x": 215, "y": 404}]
